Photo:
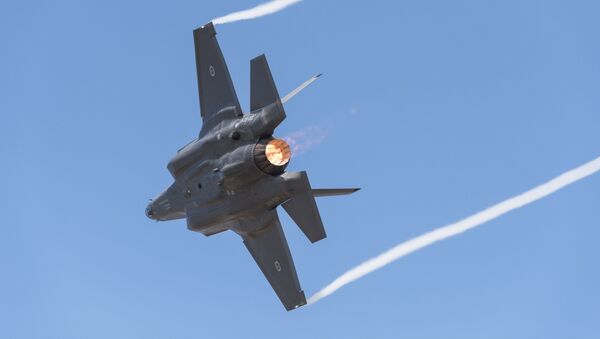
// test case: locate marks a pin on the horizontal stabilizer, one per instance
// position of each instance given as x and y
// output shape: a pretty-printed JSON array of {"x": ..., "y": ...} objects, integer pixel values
[
  {"x": 299, "y": 88},
  {"x": 302, "y": 208},
  {"x": 328, "y": 192}
]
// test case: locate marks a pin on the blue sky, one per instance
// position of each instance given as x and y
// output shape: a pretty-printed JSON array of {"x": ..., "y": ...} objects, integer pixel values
[{"x": 437, "y": 109}]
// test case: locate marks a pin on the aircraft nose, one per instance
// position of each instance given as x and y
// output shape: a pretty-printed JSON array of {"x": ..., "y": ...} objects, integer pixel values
[{"x": 150, "y": 212}]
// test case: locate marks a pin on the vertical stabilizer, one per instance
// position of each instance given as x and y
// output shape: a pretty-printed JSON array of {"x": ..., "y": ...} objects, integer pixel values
[
  {"x": 303, "y": 209},
  {"x": 262, "y": 86}
]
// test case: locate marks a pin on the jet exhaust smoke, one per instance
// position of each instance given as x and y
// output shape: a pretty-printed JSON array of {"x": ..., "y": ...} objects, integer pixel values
[
  {"x": 305, "y": 139},
  {"x": 456, "y": 228},
  {"x": 255, "y": 12}
]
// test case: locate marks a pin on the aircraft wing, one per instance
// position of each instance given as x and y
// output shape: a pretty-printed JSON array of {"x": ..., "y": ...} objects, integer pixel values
[
  {"x": 272, "y": 254},
  {"x": 215, "y": 87}
]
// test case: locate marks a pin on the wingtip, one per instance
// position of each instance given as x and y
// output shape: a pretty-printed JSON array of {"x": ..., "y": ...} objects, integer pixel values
[
  {"x": 208, "y": 27},
  {"x": 299, "y": 302}
]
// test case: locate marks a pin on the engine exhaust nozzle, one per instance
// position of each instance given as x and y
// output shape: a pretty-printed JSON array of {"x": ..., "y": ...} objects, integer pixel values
[{"x": 272, "y": 155}]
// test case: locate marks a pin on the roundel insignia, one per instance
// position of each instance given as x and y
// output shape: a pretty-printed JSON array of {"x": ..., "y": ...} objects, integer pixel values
[
  {"x": 211, "y": 70},
  {"x": 277, "y": 266}
]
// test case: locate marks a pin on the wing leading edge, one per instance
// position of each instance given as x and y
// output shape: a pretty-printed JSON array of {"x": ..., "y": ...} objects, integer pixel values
[{"x": 270, "y": 250}]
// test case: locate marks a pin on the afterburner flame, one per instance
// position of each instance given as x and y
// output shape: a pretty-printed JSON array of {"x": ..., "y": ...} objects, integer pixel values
[{"x": 278, "y": 152}]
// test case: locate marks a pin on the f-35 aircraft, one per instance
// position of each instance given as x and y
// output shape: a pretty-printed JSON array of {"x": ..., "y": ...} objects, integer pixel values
[{"x": 232, "y": 177}]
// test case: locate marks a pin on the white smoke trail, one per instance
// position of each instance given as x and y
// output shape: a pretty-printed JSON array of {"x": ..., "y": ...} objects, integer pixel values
[
  {"x": 466, "y": 224},
  {"x": 255, "y": 12}
]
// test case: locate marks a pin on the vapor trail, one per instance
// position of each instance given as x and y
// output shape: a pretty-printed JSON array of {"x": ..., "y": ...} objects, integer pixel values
[
  {"x": 255, "y": 12},
  {"x": 466, "y": 224}
]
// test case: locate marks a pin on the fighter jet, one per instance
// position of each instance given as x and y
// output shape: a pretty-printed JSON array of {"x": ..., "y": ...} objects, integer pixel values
[{"x": 232, "y": 176}]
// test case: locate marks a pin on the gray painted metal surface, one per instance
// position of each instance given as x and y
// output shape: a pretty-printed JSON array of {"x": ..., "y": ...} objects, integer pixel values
[{"x": 232, "y": 177}]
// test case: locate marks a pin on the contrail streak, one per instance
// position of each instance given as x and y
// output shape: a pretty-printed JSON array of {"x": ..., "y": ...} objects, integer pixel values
[
  {"x": 456, "y": 228},
  {"x": 255, "y": 12}
]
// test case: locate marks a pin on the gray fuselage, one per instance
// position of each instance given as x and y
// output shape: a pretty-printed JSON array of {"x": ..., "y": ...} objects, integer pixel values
[{"x": 218, "y": 180}]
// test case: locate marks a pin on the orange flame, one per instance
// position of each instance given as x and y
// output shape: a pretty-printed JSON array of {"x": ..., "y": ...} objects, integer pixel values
[{"x": 278, "y": 152}]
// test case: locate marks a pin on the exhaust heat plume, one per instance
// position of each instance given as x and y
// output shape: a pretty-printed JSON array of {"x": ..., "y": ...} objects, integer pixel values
[
  {"x": 303, "y": 140},
  {"x": 255, "y": 12},
  {"x": 456, "y": 228}
]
